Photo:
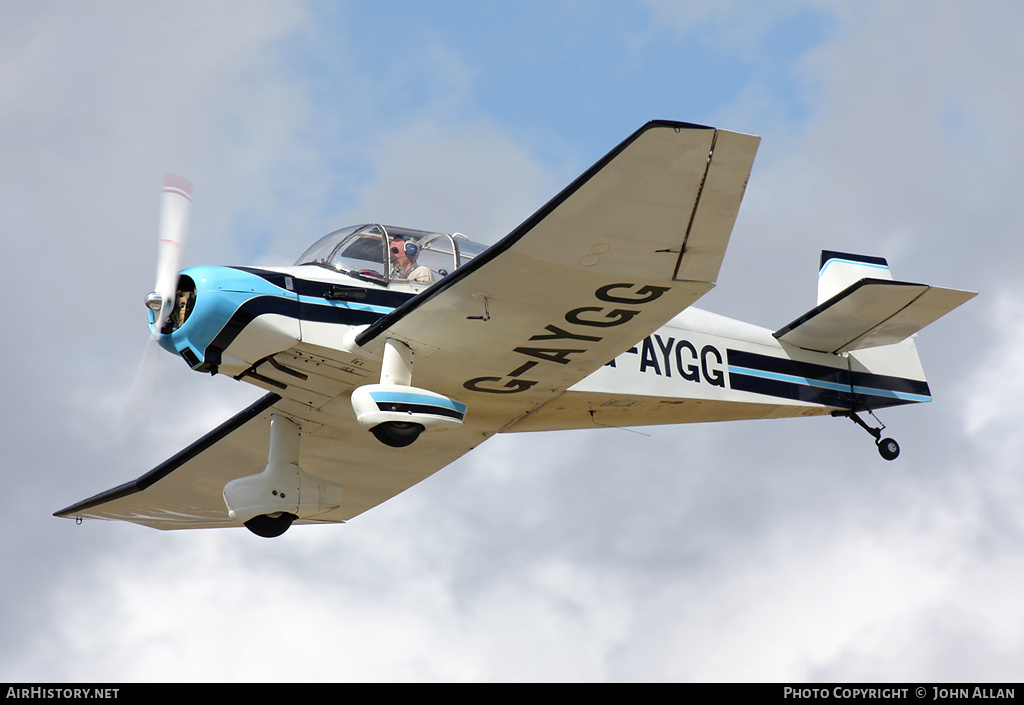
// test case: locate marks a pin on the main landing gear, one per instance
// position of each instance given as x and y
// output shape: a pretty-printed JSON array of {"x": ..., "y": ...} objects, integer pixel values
[
  {"x": 267, "y": 503},
  {"x": 394, "y": 411},
  {"x": 397, "y": 434},
  {"x": 887, "y": 447},
  {"x": 270, "y": 526}
]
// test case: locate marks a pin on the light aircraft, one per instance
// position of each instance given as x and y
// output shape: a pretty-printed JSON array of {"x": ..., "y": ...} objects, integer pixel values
[{"x": 387, "y": 353}]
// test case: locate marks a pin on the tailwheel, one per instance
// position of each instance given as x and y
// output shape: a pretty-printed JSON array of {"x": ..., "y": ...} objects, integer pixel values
[{"x": 887, "y": 447}]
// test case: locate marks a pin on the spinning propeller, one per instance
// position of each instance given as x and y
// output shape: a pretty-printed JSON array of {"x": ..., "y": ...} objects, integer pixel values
[{"x": 175, "y": 211}]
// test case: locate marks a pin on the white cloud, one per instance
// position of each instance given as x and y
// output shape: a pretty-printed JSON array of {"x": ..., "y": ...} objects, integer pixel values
[{"x": 995, "y": 390}]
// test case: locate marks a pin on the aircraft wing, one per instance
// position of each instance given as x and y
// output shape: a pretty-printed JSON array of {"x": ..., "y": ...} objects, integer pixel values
[
  {"x": 628, "y": 245},
  {"x": 185, "y": 491},
  {"x": 191, "y": 498},
  {"x": 632, "y": 242}
]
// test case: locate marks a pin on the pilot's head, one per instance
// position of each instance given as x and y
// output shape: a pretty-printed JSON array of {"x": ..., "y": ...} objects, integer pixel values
[{"x": 403, "y": 252}]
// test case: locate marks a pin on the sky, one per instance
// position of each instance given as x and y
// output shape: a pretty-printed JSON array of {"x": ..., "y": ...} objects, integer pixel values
[{"x": 780, "y": 551}]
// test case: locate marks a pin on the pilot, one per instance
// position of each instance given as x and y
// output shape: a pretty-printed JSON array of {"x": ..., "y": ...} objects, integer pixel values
[{"x": 403, "y": 262}]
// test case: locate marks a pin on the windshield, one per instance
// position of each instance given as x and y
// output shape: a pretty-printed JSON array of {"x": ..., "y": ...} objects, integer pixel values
[{"x": 387, "y": 253}]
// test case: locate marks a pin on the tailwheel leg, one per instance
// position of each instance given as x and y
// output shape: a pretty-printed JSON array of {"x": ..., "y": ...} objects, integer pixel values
[{"x": 887, "y": 447}]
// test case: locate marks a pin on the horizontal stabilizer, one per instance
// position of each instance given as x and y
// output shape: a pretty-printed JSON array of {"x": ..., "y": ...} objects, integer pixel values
[{"x": 871, "y": 313}]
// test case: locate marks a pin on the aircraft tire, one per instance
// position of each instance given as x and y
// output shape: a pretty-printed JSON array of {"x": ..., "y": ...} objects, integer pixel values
[
  {"x": 888, "y": 448},
  {"x": 397, "y": 434},
  {"x": 270, "y": 527}
]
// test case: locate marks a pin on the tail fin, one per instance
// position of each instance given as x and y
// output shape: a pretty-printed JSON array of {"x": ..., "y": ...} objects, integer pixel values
[{"x": 839, "y": 270}]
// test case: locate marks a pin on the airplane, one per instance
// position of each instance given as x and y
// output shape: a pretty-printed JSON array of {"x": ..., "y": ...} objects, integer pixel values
[{"x": 386, "y": 353}]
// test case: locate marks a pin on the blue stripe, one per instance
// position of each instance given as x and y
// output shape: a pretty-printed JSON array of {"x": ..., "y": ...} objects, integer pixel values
[
  {"x": 413, "y": 398},
  {"x": 382, "y": 310},
  {"x": 792, "y": 379},
  {"x": 848, "y": 261}
]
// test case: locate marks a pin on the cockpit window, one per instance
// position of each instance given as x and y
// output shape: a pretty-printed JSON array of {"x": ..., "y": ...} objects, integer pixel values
[
  {"x": 364, "y": 248},
  {"x": 323, "y": 250},
  {"x": 390, "y": 254}
]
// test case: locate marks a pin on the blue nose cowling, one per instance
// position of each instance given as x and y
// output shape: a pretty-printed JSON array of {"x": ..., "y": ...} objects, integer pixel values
[{"x": 238, "y": 317}]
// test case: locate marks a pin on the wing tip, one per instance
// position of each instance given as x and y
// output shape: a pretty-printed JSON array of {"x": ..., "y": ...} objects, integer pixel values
[{"x": 75, "y": 510}]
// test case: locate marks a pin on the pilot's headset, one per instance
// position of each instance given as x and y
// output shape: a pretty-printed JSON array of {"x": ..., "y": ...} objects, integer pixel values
[{"x": 411, "y": 248}]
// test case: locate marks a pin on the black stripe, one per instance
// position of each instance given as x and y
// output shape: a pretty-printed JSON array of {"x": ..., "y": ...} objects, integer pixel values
[
  {"x": 327, "y": 313},
  {"x": 243, "y": 316},
  {"x": 275, "y": 278},
  {"x": 168, "y": 466},
  {"x": 787, "y": 366},
  {"x": 790, "y": 390},
  {"x": 283, "y": 306},
  {"x": 820, "y": 373},
  {"x": 826, "y": 255},
  {"x": 319, "y": 290},
  {"x": 419, "y": 409}
]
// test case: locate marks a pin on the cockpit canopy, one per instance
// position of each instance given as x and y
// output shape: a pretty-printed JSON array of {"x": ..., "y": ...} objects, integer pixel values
[{"x": 365, "y": 251}]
